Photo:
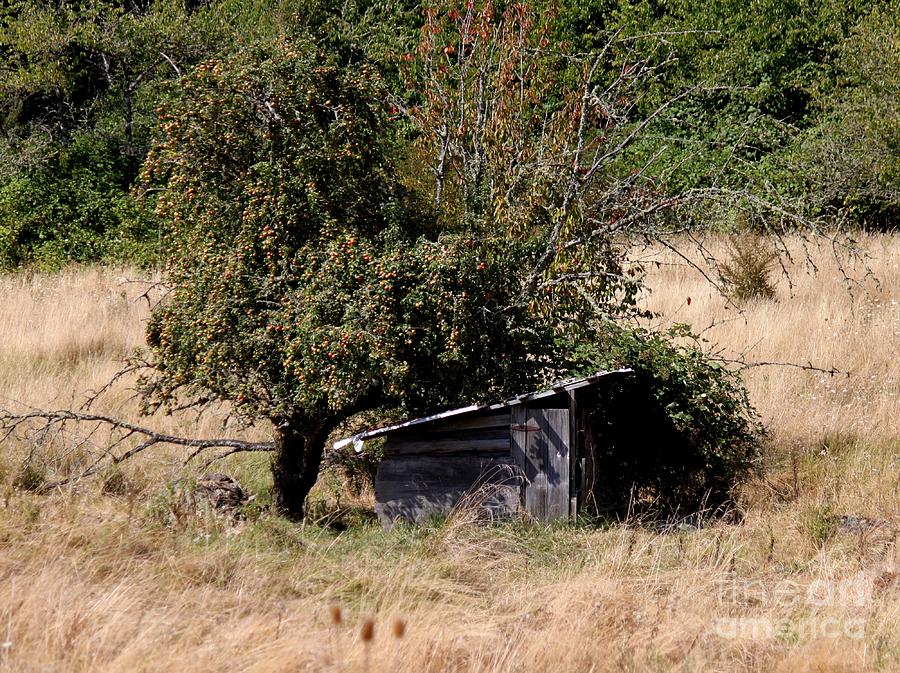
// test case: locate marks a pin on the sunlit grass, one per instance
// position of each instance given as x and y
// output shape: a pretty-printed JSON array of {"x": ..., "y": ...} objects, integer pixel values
[{"x": 96, "y": 579}]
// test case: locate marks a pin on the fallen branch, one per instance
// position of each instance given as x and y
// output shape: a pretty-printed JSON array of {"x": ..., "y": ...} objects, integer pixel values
[{"x": 10, "y": 422}]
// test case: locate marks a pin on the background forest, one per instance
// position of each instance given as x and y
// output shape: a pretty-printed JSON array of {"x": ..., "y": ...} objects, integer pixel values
[{"x": 787, "y": 97}]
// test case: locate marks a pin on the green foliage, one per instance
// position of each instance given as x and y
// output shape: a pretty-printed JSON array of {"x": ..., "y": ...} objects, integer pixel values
[
  {"x": 74, "y": 207},
  {"x": 773, "y": 53},
  {"x": 79, "y": 88},
  {"x": 786, "y": 98},
  {"x": 748, "y": 80},
  {"x": 851, "y": 158},
  {"x": 301, "y": 284},
  {"x": 820, "y": 524},
  {"x": 77, "y": 105},
  {"x": 679, "y": 435}
]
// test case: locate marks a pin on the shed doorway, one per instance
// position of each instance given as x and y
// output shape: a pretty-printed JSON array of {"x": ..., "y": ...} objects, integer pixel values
[{"x": 540, "y": 446}]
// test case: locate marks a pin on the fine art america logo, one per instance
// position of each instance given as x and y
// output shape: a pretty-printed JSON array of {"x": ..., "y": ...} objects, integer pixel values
[{"x": 814, "y": 606}]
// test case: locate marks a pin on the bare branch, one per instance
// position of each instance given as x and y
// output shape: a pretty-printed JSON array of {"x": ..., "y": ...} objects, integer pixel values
[
  {"x": 10, "y": 422},
  {"x": 171, "y": 63},
  {"x": 152, "y": 285},
  {"x": 809, "y": 366},
  {"x": 231, "y": 452},
  {"x": 580, "y": 276},
  {"x": 94, "y": 395}
]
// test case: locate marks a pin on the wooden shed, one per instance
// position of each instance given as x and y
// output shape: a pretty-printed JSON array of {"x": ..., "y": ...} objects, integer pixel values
[{"x": 530, "y": 455}]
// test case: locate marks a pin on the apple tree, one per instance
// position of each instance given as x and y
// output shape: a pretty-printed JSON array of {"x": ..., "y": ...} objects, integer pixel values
[{"x": 307, "y": 285}]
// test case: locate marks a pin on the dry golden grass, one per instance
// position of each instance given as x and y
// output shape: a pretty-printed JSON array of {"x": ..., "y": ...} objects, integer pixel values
[
  {"x": 852, "y": 324},
  {"x": 92, "y": 582},
  {"x": 64, "y": 333}
]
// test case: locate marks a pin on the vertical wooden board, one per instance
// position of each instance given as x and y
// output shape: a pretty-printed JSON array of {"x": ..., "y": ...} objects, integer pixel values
[
  {"x": 575, "y": 455},
  {"x": 518, "y": 442},
  {"x": 517, "y": 435},
  {"x": 535, "y": 465},
  {"x": 535, "y": 444},
  {"x": 555, "y": 429}
]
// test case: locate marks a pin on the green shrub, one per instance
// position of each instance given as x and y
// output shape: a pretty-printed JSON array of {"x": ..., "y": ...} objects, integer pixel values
[
  {"x": 174, "y": 506},
  {"x": 820, "y": 524},
  {"x": 678, "y": 435},
  {"x": 75, "y": 207}
]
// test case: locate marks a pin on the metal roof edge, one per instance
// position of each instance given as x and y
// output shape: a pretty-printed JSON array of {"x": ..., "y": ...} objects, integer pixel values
[{"x": 561, "y": 386}]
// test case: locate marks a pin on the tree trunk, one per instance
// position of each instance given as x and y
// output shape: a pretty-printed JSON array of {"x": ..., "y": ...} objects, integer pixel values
[{"x": 299, "y": 445}]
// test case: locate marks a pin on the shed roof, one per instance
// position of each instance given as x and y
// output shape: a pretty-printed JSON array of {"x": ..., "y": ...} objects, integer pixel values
[{"x": 558, "y": 387}]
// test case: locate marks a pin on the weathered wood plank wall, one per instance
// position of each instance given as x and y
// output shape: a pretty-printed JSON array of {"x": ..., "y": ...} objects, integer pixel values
[
  {"x": 416, "y": 487},
  {"x": 428, "y": 470},
  {"x": 540, "y": 442}
]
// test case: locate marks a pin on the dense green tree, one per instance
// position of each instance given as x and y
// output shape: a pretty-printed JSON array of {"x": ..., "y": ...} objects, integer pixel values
[
  {"x": 302, "y": 289},
  {"x": 752, "y": 74},
  {"x": 78, "y": 88},
  {"x": 850, "y": 158},
  {"x": 71, "y": 208}
]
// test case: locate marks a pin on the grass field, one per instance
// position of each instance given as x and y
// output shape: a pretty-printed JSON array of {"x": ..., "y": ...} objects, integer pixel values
[{"x": 117, "y": 574}]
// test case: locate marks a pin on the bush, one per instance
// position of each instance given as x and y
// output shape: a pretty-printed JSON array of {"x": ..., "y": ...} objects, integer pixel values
[
  {"x": 849, "y": 162},
  {"x": 676, "y": 437},
  {"x": 820, "y": 524},
  {"x": 75, "y": 207},
  {"x": 747, "y": 275}
]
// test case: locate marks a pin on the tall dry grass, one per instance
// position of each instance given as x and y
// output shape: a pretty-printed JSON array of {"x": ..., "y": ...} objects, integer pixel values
[
  {"x": 62, "y": 338},
  {"x": 91, "y": 581},
  {"x": 842, "y": 313},
  {"x": 63, "y": 334}
]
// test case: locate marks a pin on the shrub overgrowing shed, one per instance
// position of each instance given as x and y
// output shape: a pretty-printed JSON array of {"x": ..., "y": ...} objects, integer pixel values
[{"x": 532, "y": 454}]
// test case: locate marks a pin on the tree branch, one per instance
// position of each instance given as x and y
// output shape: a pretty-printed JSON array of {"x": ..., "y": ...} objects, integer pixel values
[
  {"x": 10, "y": 422},
  {"x": 809, "y": 366}
]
